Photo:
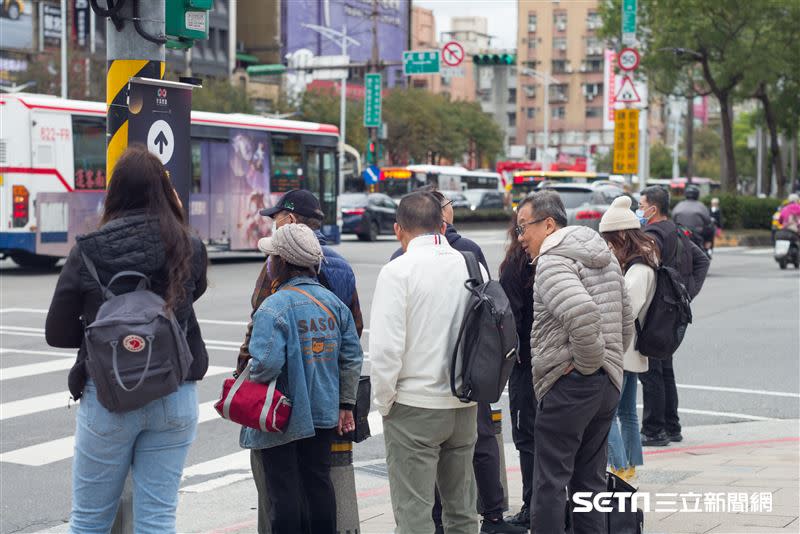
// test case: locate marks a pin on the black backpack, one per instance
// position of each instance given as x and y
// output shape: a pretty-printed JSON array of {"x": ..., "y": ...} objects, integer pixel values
[
  {"x": 136, "y": 350},
  {"x": 487, "y": 340},
  {"x": 670, "y": 311}
]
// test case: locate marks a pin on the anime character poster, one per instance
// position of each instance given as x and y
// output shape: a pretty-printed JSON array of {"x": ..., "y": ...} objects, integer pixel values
[{"x": 249, "y": 160}]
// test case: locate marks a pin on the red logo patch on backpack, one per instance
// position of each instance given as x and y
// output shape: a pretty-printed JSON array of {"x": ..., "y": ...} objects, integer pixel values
[{"x": 134, "y": 343}]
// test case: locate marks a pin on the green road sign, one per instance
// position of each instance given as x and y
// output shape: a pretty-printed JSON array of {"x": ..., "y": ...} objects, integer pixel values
[
  {"x": 372, "y": 101},
  {"x": 421, "y": 62},
  {"x": 628, "y": 22}
]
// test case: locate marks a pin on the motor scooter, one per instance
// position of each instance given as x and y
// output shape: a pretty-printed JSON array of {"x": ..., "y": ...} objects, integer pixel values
[{"x": 787, "y": 248}]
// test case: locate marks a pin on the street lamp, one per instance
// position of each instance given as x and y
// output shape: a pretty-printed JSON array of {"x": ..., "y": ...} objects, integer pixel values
[
  {"x": 546, "y": 81},
  {"x": 340, "y": 38}
]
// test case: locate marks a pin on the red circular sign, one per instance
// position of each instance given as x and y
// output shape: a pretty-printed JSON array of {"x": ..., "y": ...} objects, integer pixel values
[
  {"x": 628, "y": 59},
  {"x": 452, "y": 54}
]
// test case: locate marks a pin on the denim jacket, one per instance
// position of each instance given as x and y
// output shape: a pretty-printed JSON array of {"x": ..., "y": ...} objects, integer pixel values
[{"x": 317, "y": 361}]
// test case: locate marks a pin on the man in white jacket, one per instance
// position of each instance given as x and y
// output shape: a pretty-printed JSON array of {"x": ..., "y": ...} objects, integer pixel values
[{"x": 430, "y": 435}]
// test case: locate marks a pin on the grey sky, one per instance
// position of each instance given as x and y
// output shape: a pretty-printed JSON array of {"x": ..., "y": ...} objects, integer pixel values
[{"x": 502, "y": 15}]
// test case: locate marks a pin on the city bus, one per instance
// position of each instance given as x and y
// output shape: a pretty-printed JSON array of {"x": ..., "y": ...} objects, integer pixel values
[
  {"x": 399, "y": 181},
  {"x": 525, "y": 182},
  {"x": 482, "y": 179},
  {"x": 52, "y": 175}
]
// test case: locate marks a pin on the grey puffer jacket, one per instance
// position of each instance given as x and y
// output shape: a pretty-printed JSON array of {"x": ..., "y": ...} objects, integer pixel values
[{"x": 582, "y": 313}]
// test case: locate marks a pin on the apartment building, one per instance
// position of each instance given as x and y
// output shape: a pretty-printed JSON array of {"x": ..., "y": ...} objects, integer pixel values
[{"x": 559, "y": 39}]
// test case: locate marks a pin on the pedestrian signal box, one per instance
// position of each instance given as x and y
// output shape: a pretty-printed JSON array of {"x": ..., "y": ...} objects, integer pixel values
[{"x": 186, "y": 21}]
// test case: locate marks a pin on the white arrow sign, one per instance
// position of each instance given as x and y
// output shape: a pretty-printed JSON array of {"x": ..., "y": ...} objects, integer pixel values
[{"x": 161, "y": 141}]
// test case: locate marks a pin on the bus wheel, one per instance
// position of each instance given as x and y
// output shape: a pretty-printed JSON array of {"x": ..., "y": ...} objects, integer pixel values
[{"x": 32, "y": 261}]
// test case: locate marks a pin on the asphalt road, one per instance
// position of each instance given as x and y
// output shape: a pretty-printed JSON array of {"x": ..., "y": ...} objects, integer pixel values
[{"x": 739, "y": 362}]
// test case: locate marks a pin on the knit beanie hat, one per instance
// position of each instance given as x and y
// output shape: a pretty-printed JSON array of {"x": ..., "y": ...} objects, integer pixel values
[
  {"x": 619, "y": 216},
  {"x": 295, "y": 243}
]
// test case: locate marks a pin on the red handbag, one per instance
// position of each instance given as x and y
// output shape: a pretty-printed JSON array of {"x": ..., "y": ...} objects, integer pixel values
[{"x": 253, "y": 404}]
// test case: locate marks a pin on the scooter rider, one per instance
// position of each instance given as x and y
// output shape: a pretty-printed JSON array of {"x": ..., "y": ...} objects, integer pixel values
[{"x": 695, "y": 216}]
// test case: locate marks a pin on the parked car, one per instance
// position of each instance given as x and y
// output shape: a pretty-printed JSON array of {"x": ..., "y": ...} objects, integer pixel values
[
  {"x": 484, "y": 199},
  {"x": 457, "y": 200},
  {"x": 585, "y": 203},
  {"x": 367, "y": 215}
]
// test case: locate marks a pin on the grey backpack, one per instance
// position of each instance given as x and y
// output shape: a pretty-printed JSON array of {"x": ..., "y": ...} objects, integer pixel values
[
  {"x": 487, "y": 340},
  {"x": 136, "y": 350}
]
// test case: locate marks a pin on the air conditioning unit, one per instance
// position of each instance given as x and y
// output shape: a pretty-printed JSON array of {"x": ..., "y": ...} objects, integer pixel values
[
  {"x": 568, "y": 69},
  {"x": 584, "y": 68},
  {"x": 562, "y": 46},
  {"x": 561, "y": 26},
  {"x": 531, "y": 28}
]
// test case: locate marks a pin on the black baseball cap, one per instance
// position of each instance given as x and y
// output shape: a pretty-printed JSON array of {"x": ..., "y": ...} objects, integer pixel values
[{"x": 297, "y": 201}]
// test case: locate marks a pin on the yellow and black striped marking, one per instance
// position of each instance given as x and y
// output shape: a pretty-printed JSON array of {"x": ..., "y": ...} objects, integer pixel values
[{"x": 120, "y": 71}]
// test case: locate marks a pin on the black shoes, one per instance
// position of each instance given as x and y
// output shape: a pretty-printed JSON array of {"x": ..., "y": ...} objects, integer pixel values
[
  {"x": 500, "y": 526},
  {"x": 659, "y": 440},
  {"x": 521, "y": 518},
  {"x": 677, "y": 437}
]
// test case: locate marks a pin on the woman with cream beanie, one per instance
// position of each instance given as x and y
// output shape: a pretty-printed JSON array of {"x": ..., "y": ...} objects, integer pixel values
[{"x": 638, "y": 255}]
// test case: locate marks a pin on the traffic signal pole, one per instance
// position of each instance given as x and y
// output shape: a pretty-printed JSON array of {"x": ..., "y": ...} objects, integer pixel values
[{"x": 134, "y": 50}]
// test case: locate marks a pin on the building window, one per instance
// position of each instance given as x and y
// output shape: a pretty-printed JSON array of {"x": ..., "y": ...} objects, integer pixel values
[
  {"x": 560, "y": 21},
  {"x": 532, "y": 43},
  {"x": 530, "y": 91},
  {"x": 531, "y": 113},
  {"x": 419, "y": 84},
  {"x": 558, "y": 112},
  {"x": 531, "y": 64},
  {"x": 559, "y": 92},
  {"x": 592, "y": 65},
  {"x": 531, "y": 22},
  {"x": 593, "y": 20},
  {"x": 560, "y": 44},
  {"x": 512, "y": 96},
  {"x": 592, "y": 90},
  {"x": 594, "y": 112},
  {"x": 512, "y": 140},
  {"x": 512, "y": 120},
  {"x": 594, "y": 46},
  {"x": 559, "y": 66}
]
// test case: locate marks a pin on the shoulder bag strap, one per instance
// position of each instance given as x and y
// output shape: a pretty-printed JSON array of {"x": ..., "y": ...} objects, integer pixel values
[
  {"x": 314, "y": 300},
  {"x": 473, "y": 268}
]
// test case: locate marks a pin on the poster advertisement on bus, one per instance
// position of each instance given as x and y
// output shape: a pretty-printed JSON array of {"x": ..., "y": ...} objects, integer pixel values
[{"x": 248, "y": 157}]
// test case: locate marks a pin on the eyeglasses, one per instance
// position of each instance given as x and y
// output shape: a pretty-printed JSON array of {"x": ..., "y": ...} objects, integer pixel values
[
  {"x": 520, "y": 228},
  {"x": 447, "y": 203}
]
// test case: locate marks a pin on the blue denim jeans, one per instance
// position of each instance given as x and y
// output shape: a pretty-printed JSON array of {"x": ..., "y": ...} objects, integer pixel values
[
  {"x": 151, "y": 442},
  {"x": 624, "y": 443}
]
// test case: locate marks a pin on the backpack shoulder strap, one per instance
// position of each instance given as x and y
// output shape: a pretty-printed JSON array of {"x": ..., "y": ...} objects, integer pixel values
[
  {"x": 314, "y": 300},
  {"x": 473, "y": 268}
]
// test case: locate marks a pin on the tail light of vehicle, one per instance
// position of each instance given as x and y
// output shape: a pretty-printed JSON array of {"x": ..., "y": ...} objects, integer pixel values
[
  {"x": 588, "y": 215},
  {"x": 20, "y": 206},
  {"x": 354, "y": 211}
]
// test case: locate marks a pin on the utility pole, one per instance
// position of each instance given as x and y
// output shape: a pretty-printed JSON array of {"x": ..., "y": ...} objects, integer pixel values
[
  {"x": 64, "y": 87},
  {"x": 374, "y": 67},
  {"x": 689, "y": 137},
  {"x": 342, "y": 112},
  {"x": 135, "y": 49}
]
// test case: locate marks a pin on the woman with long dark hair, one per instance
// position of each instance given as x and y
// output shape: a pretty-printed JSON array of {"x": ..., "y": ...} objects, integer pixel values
[
  {"x": 143, "y": 228},
  {"x": 305, "y": 338},
  {"x": 516, "y": 277},
  {"x": 639, "y": 257}
]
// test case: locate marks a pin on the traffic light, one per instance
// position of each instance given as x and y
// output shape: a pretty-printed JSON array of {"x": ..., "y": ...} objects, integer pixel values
[
  {"x": 372, "y": 152},
  {"x": 186, "y": 21},
  {"x": 494, "y": 59}
]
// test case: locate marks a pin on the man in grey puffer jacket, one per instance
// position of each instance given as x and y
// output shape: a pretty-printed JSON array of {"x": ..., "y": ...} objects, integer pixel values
[{"x": 582, "y": 325}]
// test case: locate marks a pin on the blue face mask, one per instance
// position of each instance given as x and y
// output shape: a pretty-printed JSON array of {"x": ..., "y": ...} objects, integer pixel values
[{"x": 642, "y": 218}]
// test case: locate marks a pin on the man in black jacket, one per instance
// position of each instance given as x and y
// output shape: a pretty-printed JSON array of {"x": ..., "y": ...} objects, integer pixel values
[
  {"x": 486, "y": 459},
  {"x": 660, "y": 422}
]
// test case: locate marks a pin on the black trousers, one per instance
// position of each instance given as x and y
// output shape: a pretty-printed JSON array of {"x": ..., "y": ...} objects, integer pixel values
[
  {"x": 660, "y": 396},
  {"x": 523, "y": 417},
  {"x": 299, "y": 484},
  {"x": 571, "y": 433},
  {"x": 486, "y": 463}
]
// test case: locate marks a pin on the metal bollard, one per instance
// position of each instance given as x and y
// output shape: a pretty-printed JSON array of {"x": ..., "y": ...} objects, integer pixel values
[
  {"x": 123, "y": 522},
  {"x": 344, "y": 484},
  {"x": 497, "y": 421}
]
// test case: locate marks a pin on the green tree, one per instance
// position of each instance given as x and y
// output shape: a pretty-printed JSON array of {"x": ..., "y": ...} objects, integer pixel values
[
  {"x": 661, "y": 161},
  {"x": 221, "y": 97},
  {"x": 706, "y": 149},
  {"x": 318, "y": 106},
  {"x": 722, "y": 40}
]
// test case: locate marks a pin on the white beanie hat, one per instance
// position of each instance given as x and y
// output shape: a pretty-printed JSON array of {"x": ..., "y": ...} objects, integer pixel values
[
  {"x": 619, "y": 216},
  {"x": 295, "y": 243}
]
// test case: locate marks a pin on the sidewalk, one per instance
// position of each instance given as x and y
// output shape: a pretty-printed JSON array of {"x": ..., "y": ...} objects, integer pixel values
[{"x": 740, "y": 458}]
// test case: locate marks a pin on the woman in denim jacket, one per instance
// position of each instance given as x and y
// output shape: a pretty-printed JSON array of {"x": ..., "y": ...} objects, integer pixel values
[{"x": 306, "y": 337}]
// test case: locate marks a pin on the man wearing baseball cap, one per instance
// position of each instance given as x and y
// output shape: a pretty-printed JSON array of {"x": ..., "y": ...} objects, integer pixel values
[{"x": 298, "y": 206}]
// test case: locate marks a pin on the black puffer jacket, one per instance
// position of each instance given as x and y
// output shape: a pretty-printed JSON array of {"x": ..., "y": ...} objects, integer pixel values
[{"x": 130, "y": 243}]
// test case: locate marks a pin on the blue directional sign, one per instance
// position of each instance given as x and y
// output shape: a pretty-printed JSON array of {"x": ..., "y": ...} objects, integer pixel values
[{"x": 371, "y": 175}]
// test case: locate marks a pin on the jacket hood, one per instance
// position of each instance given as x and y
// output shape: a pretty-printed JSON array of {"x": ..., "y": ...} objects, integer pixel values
[
  {"x": 451, "y": 234},
  {"x": 132, "y": 242},
  {"x": 578, "y": 243}
]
